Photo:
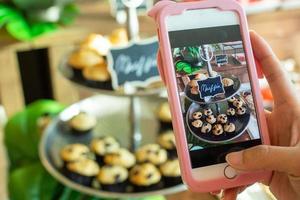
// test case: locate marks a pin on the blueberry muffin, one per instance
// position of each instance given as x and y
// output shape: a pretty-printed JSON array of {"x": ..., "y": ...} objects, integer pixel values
[
  {"x": 167, "y": 141},
  {"x": 241, "y": 110},
  {"x": 82, "y": 171},
  {"x": 152, "y": 153},
  {"x": 119, "y": 37},
  {"x": 170, "y": 171},
  {"x": 206, "y": 128},
  {"x": 228, "y": 83},
  {"x": 232, "y": 99},
  {"x": 113, "y": 178},
  {"x": 222, "y": 119},
  {"x": 82, "y": 124},
  {"x": 197, "y": 123},
  {"x": 103, "y": 146},
  {"x": 81, "y": 59},
  {"x": 74, "y": 152},
  {"x": 207, "y": 112},
  {"x": 238, "y": 103},
  {"x": 98, "y": 76},
  {"x": 211, "y": 119},
  {"x": 164, "y": 116},
  {"x": 217, "y": 129},
  {"x": 197, "y": 115},
  {"x": 229, "y": 128},
  {"x": 145, "y": 177},
  {"x": 121, "y": 157},
  {"x": 230, "y": 112}
]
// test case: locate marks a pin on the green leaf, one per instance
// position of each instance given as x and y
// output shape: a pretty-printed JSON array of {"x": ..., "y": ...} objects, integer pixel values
[
  {"x": 69, "y": 194},
  {"x": 31, "y": 183},
  {"x": 69, "y": 14},
  {"x": 22, "y": 134}
]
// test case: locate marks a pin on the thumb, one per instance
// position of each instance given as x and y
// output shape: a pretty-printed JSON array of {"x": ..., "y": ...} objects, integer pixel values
[{"x": 282, "y": 159}]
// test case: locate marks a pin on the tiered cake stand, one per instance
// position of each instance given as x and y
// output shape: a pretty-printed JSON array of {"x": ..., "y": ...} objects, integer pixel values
[{"x": 126, "y": 116}]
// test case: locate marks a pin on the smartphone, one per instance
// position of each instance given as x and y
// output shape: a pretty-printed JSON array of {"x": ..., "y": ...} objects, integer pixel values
[{"x": 206, "y": 61}]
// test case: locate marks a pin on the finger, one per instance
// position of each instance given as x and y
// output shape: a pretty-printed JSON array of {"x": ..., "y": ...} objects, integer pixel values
[
  {"x": 230, "y": 194},
  {"x": 263, "y": 157},
  {"x": 280, "y": 84}
]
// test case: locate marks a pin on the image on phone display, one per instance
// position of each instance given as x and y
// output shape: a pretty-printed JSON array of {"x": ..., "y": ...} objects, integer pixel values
[{"x": 215, "y": 92}]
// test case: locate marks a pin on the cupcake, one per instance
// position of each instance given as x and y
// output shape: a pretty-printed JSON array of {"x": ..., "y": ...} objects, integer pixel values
[
  {"x": 145, "y": 177},
  {"x": 230, "y": 112},
  {"x": 152, "y": 153},
  {"x": 207, "y": 112},
  {"x": 238, "y": 103},
  {"x": 83, "y": 58},
  {"x": 167, "y": 141},
  {"x": 217, "y": 129},
  {"x": 170, "y": 171},
  {"x": 103, "y": 146},
  {"x": 228, "y": 83},
  {"x": 232, "y": 99},
  {"x": 197, "y": 123},
  {"x": 98, "y": 76},
  {"x": 74, "y": 152},
  {"x": 82, "y": 171},
  {"x": 241, "y": 110},
  {"x": 113, "y": 178},
  {"x": 164, "y": 116},
  {"x": 82, "y": 124},
  {"x": 229, "y": 128},
  {"x": 206, "y": 128},
  {"x": 197, "y": 115},
  {"x": 211, "y": 119},
  {"x": 97, "y": 43},
  {"x": 222, "y": 119},
  {"x": 121, "y": 157}
]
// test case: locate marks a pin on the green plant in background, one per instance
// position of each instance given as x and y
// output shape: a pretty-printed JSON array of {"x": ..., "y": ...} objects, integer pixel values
[{"x": 27, "y": 19}]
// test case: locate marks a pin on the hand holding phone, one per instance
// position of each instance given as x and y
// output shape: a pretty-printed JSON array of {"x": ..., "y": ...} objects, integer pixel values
[{"x": 207, "y": 63}]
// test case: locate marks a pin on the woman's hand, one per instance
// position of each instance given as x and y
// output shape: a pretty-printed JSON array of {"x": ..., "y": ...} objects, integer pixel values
[{"x": 283, "y": 157}]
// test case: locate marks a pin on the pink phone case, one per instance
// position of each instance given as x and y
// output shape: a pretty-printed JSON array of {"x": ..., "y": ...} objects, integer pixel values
[{"x": 164, "y": 9}]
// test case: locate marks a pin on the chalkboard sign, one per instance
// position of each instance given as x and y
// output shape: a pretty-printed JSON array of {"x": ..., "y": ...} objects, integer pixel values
[
  {"x": 118, "y": 6},
  {"x": 211, "y": 87},
  {"x": 135, "y": 64},
  {"x": 221, "y": 59}
]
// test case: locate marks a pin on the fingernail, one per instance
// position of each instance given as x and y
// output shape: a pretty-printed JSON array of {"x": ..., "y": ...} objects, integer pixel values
[{"x": 235, "y": 158}]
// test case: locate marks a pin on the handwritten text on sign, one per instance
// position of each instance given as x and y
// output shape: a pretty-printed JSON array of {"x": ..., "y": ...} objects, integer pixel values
[
  {"x": 211, "y": 87},
  {"x": 135, "y": 64}
]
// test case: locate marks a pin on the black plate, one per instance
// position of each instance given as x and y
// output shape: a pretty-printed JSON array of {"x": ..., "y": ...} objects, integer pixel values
[
  {"x": 241, "y": 123},
  {"x": 229, "y": 92}
]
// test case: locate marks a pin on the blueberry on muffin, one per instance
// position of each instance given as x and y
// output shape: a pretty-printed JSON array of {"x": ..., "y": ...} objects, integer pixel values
[
  {"x": 170, "y": 171},
  {"x": 103, "y": 146},
  {"x": 82, "y": 124},
  {"x": 145, "y": 177},
  {"x": 152, "y": 153},
  {"x": 113, "y": 178},
  {"x": 121, "y": 157},
  {"x": 82, "y": 171}
]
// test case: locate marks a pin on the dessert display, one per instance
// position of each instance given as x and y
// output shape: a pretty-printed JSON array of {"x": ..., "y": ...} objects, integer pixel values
[
  {"x": 88, "y": 64},
  {"x": 110, "y": 167},
  {"x": 220, "y": 122}
]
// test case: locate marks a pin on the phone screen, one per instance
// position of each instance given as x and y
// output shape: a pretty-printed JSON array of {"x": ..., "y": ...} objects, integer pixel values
[{"x": 215, "y": 92}]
